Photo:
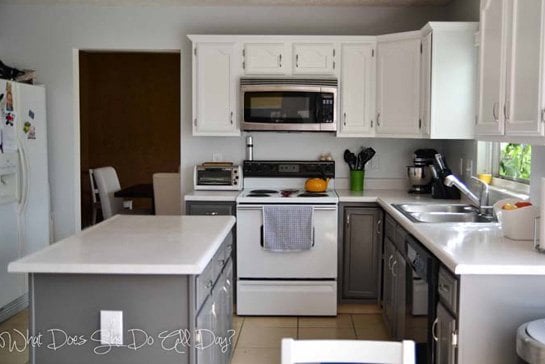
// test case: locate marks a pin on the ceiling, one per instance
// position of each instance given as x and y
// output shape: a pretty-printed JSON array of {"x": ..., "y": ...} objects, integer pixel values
[{"x": 241, "y": 2}]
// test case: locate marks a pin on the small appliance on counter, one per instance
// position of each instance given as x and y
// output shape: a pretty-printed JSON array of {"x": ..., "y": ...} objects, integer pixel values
[
  {"x": 420, "y": 173},
  {"x": 220, "y": 176},
  {"x": 440, "y": 170}
]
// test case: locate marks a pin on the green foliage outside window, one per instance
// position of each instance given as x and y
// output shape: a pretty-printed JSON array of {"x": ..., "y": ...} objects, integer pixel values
[{"x": 515, "y": 161}]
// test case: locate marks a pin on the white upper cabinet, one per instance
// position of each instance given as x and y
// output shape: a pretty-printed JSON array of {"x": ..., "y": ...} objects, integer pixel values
[
  {"x": 357, "y": 89},
  {"x": 215, "y": 89},
  {"x": 492, "y": 67},
  {"x": 313, "y": 58},
  {"x": 398, "y": 85},
  {"x": 265, "y": 58},
  {"x": 448, "y": 80},
  {"x": 511, "y": 68},
  {"x": 524, "y": 60}
]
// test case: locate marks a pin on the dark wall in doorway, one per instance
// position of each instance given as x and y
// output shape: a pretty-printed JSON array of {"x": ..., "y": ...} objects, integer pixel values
[{"x": 130, "y": 117}]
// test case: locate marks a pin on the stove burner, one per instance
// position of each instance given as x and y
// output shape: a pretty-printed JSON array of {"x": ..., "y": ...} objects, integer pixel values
[
  {"x": 312, "y": 194},
  {"x": 258, "y": 195},
  {"x": 262, "y": 191}
]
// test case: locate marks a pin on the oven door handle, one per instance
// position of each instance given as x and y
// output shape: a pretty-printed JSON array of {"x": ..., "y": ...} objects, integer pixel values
[{"x": 261, "y": 236}]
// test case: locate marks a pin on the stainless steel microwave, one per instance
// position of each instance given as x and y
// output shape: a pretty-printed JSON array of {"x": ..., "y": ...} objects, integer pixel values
[{"x": 289, "y": 104}]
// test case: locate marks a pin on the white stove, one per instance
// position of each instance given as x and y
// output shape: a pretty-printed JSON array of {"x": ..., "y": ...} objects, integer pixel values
[
  {"x": 286, "y": 195},
  {"x": 302, "y": 282}
]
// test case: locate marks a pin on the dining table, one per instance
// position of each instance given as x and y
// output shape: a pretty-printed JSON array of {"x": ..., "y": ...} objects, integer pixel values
[{"x": 141, "y": 190}]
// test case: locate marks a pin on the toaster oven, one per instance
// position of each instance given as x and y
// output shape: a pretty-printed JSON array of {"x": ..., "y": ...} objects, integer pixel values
[{"x": 214, "y": 176}]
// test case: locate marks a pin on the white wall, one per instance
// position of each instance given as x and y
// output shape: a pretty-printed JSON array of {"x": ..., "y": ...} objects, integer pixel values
[{"x": 42, "y": 37}]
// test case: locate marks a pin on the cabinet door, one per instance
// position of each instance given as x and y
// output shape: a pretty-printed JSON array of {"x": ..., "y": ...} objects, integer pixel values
[
  {"x": 357, "y": 89},
  {"x": 445, "y": 337},
  {"x": 214, "y": 90},
  {"x": 265, "y": 58},
  {"x": 492, "y": 67},
  {"x": 206, "y": 351},
  {"x": 387, "y": 283},
  {"x": 399, "y": 273},
  {"x": 361, "y": 252},
  {"x": 522, "y": 102},
  {"x": 425, "y": 91},
  {"x": 398, "y": 85},
  {"x": 313, "y": 58}
]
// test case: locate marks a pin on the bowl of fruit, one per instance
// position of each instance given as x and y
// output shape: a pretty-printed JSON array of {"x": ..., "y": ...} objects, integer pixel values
[{"x": 516, "y": 218}]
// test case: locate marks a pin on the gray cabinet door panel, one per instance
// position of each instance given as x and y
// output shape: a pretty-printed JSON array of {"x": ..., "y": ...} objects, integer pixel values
[
  {"x": 361, "y": 253},
  {"x": 212, "y": 209}
]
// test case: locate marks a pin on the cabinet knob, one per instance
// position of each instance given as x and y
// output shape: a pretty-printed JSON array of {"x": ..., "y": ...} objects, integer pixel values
[
  {"x": 213, "y": 213},
  {"x": 344, "y": 116},
  {"x": 494, "y": 111},
  {"x": 209, "y": 284},
  {"x": 379, "y": 230},
  {"x": 393, "y": 270},
  {"x": 378, "y": 119},
  {"x": 297, "y": 60},
  {"x": 231, "y": 117},
  {"x": 280, "y": 60}
]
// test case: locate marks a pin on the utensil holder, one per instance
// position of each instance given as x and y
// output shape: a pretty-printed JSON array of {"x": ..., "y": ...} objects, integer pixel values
[{"x": 356, "y": 180}]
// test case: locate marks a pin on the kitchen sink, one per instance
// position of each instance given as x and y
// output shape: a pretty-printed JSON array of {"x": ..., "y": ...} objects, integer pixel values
[{"x": 443, "y": 213}]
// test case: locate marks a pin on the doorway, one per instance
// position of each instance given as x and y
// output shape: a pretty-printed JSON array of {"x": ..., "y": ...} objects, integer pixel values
[{"x": 129, "y": 118}]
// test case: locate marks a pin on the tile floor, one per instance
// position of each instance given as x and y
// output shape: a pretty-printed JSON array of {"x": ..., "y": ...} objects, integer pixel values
[{"x": 257, "y": 339}]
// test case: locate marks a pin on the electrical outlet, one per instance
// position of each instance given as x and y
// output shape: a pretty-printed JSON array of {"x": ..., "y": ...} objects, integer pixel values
[
  {"x": 468, "y": 169},
  {"x": 375, "y": 162},
  {"x": 111, "y": 327},
  {"x": 217, "y": 157}
]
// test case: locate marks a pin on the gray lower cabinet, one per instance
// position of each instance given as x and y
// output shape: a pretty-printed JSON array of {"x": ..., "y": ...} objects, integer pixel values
[
  {"x": 210, "y": 208},
  {"x": 393, "y": 279},
  {"x": 361, "y": 238},
  {"x": 445, "y": 332}
]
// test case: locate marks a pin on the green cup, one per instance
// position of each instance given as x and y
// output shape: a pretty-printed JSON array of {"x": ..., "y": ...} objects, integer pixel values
[{"x": 356, "y": 180}]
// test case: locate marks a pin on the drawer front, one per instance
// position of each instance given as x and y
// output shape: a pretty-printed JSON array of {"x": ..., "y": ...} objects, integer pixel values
[
  {"x": 448, "y": 290},
  {"x": 207, "y": 279},
  {"x": 211, "y": 209},
  {"x": 390, "y": 227}
]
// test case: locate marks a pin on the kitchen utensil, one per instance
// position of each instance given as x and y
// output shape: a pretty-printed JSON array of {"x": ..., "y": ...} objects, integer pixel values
[
  {"x": 368, "y": 154},
  {"x": 316, "y": 184}
]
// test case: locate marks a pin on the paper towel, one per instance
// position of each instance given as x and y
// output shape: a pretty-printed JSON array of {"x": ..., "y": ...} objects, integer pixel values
[{"x": 542, "y": 214}]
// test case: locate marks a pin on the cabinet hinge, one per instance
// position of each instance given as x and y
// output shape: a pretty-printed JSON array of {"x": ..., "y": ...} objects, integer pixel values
[
  {"x": 195, "y": 51},
  {"x": 421, "y": 48},
  {"x": 455, "y": 338},
  {"x": 419, "y": 123},
  {"x": 372, "y": 52}
]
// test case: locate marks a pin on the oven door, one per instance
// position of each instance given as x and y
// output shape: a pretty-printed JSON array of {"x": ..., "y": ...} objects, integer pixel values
[{"x": 255, "y": 262}]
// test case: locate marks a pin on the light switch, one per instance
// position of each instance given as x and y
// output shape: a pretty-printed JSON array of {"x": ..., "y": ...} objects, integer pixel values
[{"x": 111, "y": 327}]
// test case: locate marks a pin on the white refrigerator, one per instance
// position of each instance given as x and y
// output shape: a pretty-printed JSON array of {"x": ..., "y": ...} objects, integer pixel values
[{"x": 24, "y": 186}]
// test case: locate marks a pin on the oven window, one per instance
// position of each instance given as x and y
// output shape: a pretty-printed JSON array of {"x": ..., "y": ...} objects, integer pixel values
[
  {"x": 280, "y": 107},
  {"x": 217, "y": 177}
]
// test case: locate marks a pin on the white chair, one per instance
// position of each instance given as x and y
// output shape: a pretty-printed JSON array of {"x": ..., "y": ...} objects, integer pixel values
[
  {"x": 107, "y": 184},
  {"x": 347, "y": 351},
  {"x": 94, "y": 198},
  {"x": 167, "y": 194}
]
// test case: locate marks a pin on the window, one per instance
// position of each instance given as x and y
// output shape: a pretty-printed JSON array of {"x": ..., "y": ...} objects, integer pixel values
[
  {"x": 515, "y": 162},
  {"x": 509, "y": 163}
]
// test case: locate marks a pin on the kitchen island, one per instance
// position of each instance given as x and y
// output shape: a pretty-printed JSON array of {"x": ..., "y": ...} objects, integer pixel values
[{"x": 169, "y": 276}]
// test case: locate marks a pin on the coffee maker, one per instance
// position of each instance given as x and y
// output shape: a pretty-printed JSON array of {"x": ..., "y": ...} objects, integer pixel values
[{"x": 420, "y": 174}]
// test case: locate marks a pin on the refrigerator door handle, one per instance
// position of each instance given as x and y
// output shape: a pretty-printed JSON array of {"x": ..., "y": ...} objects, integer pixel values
[{"x": 24, "y": 183}]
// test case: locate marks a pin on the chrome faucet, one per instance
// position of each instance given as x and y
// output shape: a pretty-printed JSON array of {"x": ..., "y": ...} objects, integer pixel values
[{"x": 482, "y": 202}]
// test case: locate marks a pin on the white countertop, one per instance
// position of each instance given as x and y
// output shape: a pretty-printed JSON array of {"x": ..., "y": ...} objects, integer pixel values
[
  {"x": 226, "y": 196},
  {"x": 465, "y": 248},
  {"x": 131, "y": 244}
]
